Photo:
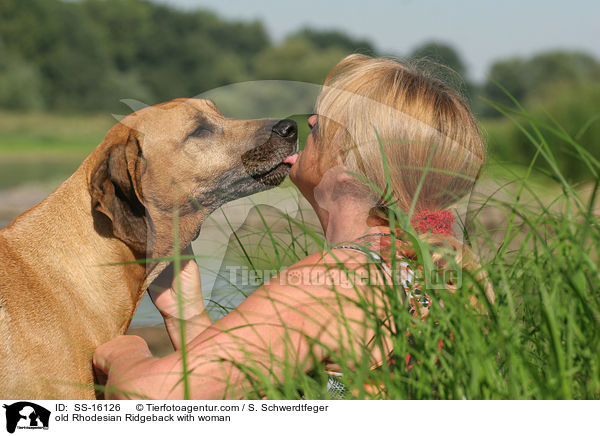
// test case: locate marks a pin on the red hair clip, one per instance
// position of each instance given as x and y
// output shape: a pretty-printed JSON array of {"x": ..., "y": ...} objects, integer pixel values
[{"x": 434, "y": 221}]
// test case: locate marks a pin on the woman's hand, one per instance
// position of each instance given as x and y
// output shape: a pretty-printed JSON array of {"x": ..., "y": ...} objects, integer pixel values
[
  {"x": 116, "y": 361},
  {"x": 180, "y": 300}
]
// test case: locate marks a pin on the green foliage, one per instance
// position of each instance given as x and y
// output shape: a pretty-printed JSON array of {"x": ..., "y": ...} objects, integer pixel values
[
  {"x": 575, "y": 105},
  {"x": 307, "y": 55},
  {"x": 527, "y": 78},
  {"x": 65, "y": 45},
  {"x": 297, "y": 59},
  {"x": 90, "y": 54},
  {"x": 442, "y": 54},
  {"x": 20, "y": 83},
  {"x": 443, "y": 62},
  {"x": 326, "y": 39},
  {"x": 546, "y": 271}
]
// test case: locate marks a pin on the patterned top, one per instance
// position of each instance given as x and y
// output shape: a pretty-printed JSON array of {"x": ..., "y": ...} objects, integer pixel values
[{"x": 377, "y": 248}]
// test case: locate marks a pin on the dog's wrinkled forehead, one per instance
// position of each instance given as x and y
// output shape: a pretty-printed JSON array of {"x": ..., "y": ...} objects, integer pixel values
[{"x": 166, "y": 119}]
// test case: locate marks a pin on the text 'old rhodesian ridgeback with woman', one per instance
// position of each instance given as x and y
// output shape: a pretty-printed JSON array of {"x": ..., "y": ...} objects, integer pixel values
[{"x": 67, "y": 283}]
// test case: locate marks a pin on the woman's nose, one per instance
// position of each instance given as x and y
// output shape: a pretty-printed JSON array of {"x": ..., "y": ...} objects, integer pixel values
[{"x": 312, "y": 120}]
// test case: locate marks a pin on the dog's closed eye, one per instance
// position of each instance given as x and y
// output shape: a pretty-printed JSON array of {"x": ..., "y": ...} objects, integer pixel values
[
  {"x": 203, "y": 127},
  {"x": 201, "y": 131}
]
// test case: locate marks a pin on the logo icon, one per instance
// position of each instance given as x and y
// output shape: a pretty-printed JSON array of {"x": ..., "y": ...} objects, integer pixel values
[{"x": 26, "y": 415}]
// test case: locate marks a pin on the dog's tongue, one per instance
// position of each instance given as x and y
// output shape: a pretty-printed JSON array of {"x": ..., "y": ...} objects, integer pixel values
[{"x": 291, "y": 159}]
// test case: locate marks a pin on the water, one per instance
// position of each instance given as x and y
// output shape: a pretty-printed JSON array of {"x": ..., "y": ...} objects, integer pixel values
[{"x": 146, "y": 314}]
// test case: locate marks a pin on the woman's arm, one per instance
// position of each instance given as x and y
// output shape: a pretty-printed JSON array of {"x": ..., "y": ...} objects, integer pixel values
[
  {"x": 180, "y": 300},
  {"x": 289, "y": 324}
]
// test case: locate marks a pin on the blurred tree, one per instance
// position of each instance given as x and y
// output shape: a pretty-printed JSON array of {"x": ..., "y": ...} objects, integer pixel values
[
  {"x": 178, "y": 53},
  {"x": 307, "y": 55},
  {"x": 64, "y": 43},
  {"x": 575, "y": 107},
  {"x": 525, "y": 78},
  {"x": 125, "y": 24},
  {"x": 20, "y": 84},
  {"x": 440, "y": 53},
  {"x": 297, "y": 59},
  {"x": 511, "y": 74},
  {"x": 325, "y": 39},
  {"x": 443, "y": 62},
  {"x": 91, "y": 53},
  {"x": 571, "y": 107}
]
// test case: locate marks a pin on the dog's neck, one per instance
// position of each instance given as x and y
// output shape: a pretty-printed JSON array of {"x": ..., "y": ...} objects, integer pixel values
[{"x": 92, "y": 276}]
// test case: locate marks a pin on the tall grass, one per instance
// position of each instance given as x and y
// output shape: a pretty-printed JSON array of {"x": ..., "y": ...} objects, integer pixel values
[{"x": 539, "y": 340}]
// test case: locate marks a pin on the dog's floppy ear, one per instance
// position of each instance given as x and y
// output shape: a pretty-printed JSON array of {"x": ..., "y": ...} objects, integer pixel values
[{"x": 115, "y": 188}]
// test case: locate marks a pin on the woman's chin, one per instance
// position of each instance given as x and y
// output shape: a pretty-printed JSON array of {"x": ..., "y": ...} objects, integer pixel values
[
  {"x": 294, "y": 172},
  {"x": 298, "y": 181}
]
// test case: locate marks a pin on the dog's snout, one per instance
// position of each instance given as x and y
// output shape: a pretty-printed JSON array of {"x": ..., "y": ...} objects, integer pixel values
[{"x": 286, "y": 128}]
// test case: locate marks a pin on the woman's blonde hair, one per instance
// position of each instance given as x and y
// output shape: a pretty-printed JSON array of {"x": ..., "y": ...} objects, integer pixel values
[{"x": 431, "y": 142}]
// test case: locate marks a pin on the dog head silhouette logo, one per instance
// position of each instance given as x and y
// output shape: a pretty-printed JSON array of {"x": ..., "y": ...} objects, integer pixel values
[{"x": 26, "y": 415}]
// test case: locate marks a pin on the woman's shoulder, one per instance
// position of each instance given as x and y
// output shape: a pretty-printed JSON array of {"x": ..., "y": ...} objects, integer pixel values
[
  {"x": 322, "y": 271},
  {"x": 356, "y": 254}
]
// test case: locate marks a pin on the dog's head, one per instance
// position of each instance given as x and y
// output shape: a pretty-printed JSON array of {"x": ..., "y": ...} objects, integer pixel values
[{"x": 180, "y": 160}]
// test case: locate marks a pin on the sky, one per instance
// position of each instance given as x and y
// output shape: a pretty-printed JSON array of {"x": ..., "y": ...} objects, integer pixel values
[{"x": 481, "y": 30}]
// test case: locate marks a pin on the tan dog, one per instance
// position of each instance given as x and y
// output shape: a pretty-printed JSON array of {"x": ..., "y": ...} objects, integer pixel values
[{"x": 64, "y": 287}]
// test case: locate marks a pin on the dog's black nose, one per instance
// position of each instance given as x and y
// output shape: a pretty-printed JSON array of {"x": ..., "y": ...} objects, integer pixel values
[{"x": 286, "y": 129}]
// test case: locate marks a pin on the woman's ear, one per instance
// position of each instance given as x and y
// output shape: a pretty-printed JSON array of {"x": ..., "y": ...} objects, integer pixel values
[
  {"x": 115, "y": 188},
  {"x": 344, "y": 175},
  {"x": 348, "y": 183}
]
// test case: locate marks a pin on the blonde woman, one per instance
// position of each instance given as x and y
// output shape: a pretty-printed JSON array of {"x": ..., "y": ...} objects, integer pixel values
[{"x": 433, "y": 154}]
